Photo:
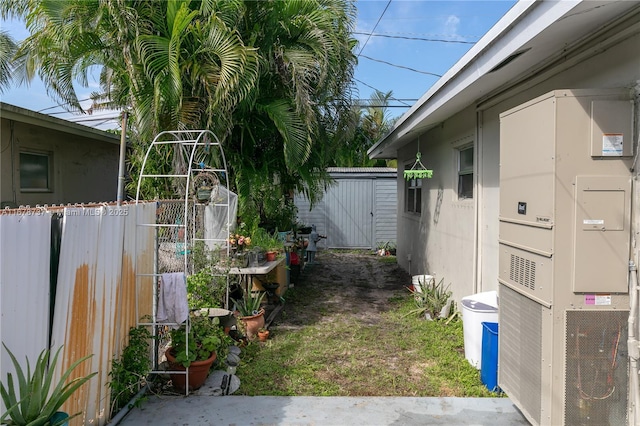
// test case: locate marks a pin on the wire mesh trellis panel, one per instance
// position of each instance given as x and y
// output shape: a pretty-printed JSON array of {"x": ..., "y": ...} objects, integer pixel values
[{"x": 171, "y": 239}]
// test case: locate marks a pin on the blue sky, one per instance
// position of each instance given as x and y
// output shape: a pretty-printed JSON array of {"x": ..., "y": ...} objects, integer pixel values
[{"x": 458, "y": 23}]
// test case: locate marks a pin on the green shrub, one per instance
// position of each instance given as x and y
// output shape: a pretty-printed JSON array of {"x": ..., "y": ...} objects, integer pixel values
[{"x": 129, "y": 373}]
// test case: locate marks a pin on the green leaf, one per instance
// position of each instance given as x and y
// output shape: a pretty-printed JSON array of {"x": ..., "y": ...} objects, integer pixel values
[{"x": 35, "y": 402}]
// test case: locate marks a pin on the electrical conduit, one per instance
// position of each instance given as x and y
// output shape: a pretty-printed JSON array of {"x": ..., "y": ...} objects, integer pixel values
[{"x": 633, "y": 348}]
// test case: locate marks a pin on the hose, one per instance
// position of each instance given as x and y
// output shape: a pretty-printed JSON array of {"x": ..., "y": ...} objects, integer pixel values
[{"x": 125, "y": 410}]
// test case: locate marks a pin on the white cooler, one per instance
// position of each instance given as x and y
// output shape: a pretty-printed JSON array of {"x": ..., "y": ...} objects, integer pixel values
[{"x": 476, "y": 309}]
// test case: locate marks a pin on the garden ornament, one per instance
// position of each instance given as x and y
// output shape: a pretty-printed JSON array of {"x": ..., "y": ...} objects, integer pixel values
[{"x": 314, "y": 237}]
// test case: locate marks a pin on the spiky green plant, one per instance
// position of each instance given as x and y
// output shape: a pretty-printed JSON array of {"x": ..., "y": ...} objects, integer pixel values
[
  {"x": 249, "y": 305},
  {"x": 36, "y": 402}
]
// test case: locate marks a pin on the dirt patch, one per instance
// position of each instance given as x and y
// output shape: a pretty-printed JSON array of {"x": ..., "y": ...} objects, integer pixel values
[{"x": 354, "y": 284}]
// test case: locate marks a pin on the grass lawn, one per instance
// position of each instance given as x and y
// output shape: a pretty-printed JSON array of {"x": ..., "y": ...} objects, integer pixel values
[{"x": 338, "y": 354}]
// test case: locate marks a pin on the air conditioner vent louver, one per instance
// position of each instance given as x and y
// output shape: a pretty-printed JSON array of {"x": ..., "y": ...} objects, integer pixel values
[{"x": 523, "y": 271}]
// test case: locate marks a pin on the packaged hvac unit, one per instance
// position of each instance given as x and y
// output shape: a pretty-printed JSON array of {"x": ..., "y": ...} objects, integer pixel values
[{"x": 565, "y": 197}]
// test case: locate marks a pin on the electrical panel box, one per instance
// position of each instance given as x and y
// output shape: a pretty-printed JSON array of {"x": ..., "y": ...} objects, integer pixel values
[
  {"x": 565, "y": 219},
  {"x": 601, "y": 245}
]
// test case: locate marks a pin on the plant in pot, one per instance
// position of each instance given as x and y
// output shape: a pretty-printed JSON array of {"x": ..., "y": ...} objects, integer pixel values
[
  {"x": 432, "y": 300},
  {"x": 36, "y": 402},
  {"x": 263, "y": 334},
  {"x": 251, "y": 313},
  {"x": 240, "y": 246},
  {"x": 195, "y": 351},
  {"x": 206, "y": 290},
  {"x": 274, "y": 246},
  {"x": 205, "y": 186}
]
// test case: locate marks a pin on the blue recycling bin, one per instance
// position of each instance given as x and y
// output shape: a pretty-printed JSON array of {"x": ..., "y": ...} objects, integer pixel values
[{"x": 489, "y": 364}]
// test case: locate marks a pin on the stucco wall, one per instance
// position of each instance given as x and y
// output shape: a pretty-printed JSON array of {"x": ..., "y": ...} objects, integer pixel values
[
  {"x": 441, "y": 239},
  {"x": 83, "y": 169}
]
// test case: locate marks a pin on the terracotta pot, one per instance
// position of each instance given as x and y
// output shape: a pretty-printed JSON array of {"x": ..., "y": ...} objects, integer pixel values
[
  {"x": 253, "y": 323},
  {"x": 198, "y": 371},
  {"x": 271, "y": 256},
  {"x": 263, "y": 335}
]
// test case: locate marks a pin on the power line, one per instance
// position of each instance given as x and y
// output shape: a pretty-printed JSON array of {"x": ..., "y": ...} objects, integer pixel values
[
  {"x": 62, "y": 105},
  {"x": 87, "y": 120},
  {"x": 374, "y": 27},
  {"x": 400, "y": 66},
  {"x": 448, "y": 36},
  {"x": 397, "y": 99},
  {"x": 417, "y": 38},
  {"x": 386, "y": 106},
  {"x": 377, "y": 90}
]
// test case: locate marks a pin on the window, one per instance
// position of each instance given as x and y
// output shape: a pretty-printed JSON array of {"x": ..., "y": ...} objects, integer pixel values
[
  {"x": 465, "y": 173},
  {"x": 414, "y": 195},
  {"x": 35, "y": 172}
]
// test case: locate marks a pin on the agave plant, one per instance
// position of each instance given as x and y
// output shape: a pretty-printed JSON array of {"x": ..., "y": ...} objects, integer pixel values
[
  {"x": 249, "y": 305},
  {"x": 430, "y": 298},
  {"x": 36, "y": 402}
]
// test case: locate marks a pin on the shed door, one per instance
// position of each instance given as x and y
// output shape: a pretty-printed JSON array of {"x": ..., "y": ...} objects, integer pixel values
[{"x": 350, "y": 214}]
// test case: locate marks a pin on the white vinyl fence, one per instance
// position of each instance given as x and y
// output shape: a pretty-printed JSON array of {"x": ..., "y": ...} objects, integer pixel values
[{"x": 91, "y": 302}]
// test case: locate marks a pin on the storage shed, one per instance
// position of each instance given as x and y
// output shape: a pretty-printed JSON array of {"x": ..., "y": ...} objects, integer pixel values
[{"x": 359, "y": 211}]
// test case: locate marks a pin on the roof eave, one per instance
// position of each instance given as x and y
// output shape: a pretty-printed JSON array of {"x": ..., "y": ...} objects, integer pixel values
[
  {"x": 15, "y": 113},
  {"x": 442, "y": 99}
]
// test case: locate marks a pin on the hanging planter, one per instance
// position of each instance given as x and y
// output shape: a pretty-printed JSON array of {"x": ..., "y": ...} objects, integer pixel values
[
  {"x": 205, "y": 185},
  {"x": 418, "y": 170}
]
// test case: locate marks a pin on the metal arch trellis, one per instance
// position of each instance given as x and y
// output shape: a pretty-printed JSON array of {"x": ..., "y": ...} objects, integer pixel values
[{"x": 198, "y": 159}]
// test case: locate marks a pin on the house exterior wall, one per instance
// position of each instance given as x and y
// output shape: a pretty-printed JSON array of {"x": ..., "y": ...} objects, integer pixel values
[
  {"x": 81, "y": 170},
  {"x": 440, "y": 240},
  {"x": 446, "y": 226}
]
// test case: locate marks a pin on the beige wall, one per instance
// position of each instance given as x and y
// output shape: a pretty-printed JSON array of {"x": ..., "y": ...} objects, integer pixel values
[
  {"x": 83, "y": 169},
  {"x": 441, "y": 240}
]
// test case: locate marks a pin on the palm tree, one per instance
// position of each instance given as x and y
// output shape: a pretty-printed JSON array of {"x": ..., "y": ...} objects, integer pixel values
[
  {"x": 176, "y": 64},
  {"x": 7, "y": 51},
  {"x": 376, "y": 120},
  {"x": 371, "y": 122},
  {"x": 281, "y": 129}
]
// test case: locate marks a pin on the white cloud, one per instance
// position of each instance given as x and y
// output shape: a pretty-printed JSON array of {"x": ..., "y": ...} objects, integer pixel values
[{"x": 451, "y": 25}]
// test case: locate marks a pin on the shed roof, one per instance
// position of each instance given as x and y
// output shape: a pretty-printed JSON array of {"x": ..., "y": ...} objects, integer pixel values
[
  {"x": 532, "y": 41},
  {"x": 22, "y": 115},
  {"x": 362, "y": 172}
]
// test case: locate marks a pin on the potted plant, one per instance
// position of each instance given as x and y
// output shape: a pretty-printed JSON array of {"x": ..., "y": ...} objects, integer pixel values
[
  {"x": 267, "y": 241},
  {"x": 239, "y": 245},
  {"x": 251, "y": 313},
  {"x": 432, "y": 300},
  {"x": 263, "y": 334},
  {"x": 35, "y": 401},
  {"x": 205, "y": 185},
  {"x": 196, "y": 350},
  {"x": 206, "y": 290}
]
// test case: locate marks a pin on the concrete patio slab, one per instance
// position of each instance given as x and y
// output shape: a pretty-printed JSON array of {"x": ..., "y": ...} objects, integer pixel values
[{"x": 199, "y": 410}]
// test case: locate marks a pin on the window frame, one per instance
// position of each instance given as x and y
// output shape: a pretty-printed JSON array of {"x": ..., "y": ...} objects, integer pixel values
[
  {"x": 49, "y": 171},
  {"x": 413, "y": 194},
  {"x": 465, "y": 172}
]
